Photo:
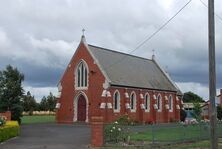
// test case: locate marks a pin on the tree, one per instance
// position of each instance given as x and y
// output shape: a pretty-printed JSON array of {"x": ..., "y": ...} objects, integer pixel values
[
  {"x": 192, "y": 97},
  {"x": 11, "y": 92},
  {"x": 29, "y": 103},
  {"x": 183, "y": 115},
  {"x": 51, "y": 101},
  {"x": 43, "y": 106},
  {"x": 197, "y": 111},
  {"x": 219, "y": 112}
]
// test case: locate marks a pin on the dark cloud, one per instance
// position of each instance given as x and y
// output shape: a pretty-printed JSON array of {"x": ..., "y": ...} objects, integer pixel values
[{"x": 39, "y": 37}]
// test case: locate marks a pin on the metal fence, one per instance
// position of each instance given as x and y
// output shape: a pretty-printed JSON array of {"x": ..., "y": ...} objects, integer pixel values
[{"x": 157, "y": 134}]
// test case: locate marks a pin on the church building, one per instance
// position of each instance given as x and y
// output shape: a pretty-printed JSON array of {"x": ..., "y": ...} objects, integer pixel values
[{"x": 104, "y": 82}]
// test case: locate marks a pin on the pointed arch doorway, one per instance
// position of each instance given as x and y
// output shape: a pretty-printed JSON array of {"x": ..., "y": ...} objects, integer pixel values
[
  {"x": 81, "y": 112},
  {"x": 81, "y": 107}
]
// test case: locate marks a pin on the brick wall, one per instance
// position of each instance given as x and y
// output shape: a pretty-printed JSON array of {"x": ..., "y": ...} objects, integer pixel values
[{"x": 7, "y": 114}]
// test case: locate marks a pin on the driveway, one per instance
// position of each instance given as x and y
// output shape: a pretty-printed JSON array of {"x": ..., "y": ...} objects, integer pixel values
[{"x": 50, "y": 136}]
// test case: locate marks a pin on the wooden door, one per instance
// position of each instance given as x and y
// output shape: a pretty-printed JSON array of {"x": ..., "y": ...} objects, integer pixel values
[{"x": 81, "y": 108}]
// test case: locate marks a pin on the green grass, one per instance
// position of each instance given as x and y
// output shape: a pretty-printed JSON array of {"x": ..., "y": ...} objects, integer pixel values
[
  {"x": 194, "y": 145},
  {"x": 38, "y": 119},
  {"x": 173, "y": 134}
]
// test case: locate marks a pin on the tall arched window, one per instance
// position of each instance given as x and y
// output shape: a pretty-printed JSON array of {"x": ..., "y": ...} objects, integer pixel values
[
  {"x": 133, "y": 102},
  {"x": 147, "y": 102},
  {"x": 82, "y": 75},
  {"x": 170, "y": 103},
  {"x": 159, "y": 102},
  {"x": 116, "y": 101}
]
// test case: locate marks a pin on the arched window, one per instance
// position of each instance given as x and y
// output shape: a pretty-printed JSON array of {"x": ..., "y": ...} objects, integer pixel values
[
  {"x": 159, "y": 102},
  {"x": 116, "y": 101},
  {"x": 170, "y": 103},
  {"x": 147, "y": 102},
  {"x": 82, "y": 75},
  {"x": 133, "y": 102}
]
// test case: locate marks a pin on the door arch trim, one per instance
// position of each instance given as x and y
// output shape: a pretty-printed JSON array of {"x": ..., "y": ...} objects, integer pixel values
[{"x": 76, "y": 106}]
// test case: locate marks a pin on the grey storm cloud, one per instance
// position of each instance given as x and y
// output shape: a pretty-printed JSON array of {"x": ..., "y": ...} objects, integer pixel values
[{"x": 40, "y": 37}]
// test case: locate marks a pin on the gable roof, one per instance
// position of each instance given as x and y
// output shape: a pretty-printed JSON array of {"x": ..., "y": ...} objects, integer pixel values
[{"x": 132, "y": 71}]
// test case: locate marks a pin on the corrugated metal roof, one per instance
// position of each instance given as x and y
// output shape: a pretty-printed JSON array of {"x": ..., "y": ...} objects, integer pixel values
[{"x": 128, "y": 70}]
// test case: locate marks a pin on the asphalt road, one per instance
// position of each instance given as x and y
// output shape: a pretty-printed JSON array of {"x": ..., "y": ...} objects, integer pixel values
[{"x": 50, "y": 136}]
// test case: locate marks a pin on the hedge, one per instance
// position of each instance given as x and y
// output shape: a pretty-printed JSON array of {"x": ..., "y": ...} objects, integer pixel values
[{"x": 9, "y": 130}]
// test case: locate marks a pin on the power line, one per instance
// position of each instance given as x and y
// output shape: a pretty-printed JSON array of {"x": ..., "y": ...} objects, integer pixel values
[
  {"x": 152, "y": 35},
  {"x": 219, "y": 17}
]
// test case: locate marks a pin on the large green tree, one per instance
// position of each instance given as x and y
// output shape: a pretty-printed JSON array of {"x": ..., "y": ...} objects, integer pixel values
[
  {"x": 192, "y": 97},
  {"x": 29, "y": 103},
  {"x": 43, "y": 105},
  {"x": 11, "y": 92},
  {"x": 48, "y": 103},
  {"x": 51, "y": 100}
]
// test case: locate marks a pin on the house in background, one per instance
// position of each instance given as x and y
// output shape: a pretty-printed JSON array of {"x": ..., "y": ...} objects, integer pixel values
[
  {"x": 205, "y": 107},
  {"x": 219, "y": 98},
  {"x": 103, "y": 82}
]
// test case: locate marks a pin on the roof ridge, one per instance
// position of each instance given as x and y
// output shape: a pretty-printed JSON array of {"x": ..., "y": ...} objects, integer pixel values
[{"x": 119, "y": 52}]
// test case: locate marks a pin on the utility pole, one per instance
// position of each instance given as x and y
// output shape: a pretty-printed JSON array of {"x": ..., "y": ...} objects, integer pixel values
[{"x": 212, "y": 76}]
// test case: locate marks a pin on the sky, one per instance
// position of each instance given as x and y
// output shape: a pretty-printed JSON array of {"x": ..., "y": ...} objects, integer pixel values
[{"x": 39, "y": 37}]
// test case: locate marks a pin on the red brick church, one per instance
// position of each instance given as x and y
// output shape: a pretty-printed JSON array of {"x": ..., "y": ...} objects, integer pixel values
[{"x": 103, "y": 82}]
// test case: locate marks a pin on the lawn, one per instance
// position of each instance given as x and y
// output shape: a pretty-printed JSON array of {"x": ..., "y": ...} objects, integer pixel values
[
  {"x": 194, "y": 145},
  {"x": 171, "y": 133},
  {"x": 176, "y": 136},
  {"x": 38, "y": 119}
]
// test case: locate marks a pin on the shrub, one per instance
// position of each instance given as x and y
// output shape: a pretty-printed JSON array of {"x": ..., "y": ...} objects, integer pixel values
[
  {"x": 183, "y": 115},
  {"x": 2, "y": 120},
  {"x": 9, "y": 130},
  {"x": 115, "y": 133},
  {"x": 125, "y": 120}
]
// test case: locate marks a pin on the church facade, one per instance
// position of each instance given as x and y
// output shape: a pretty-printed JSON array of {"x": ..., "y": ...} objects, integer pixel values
[{"x": 103, "y": 82}]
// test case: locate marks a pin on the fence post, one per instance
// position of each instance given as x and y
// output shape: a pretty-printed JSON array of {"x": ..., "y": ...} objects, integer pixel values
[
  {"x": 153, "y": 137},
  {"x": 97, "y": 131}
]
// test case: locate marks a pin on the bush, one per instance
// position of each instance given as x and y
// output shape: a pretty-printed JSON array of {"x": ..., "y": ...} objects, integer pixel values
[
  {"x": 125, "y": 120},
  {"x": 2, "y": 121},
  {"x": 183, "y": 115},
  {"x": 9, "y": 130},
  {"x": 115, "y": 133}
]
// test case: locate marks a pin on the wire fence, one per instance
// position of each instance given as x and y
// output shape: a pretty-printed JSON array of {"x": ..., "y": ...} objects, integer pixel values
[{"x": 157, "y": 134}]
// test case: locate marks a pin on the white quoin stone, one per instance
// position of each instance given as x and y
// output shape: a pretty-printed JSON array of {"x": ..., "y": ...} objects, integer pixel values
[
  {"x": 141, "y": 96},
  {"x": 58, "y": 105},
  {"x": 109, "y": 105},
  {"x": 108, "y": 94},
  {"x": 154, "y": 97},
  {"x": 126, "y": 95},
  {"x": 127, "y": 106},
  {"x": 102, "y": 105},
  {"x": 155, "y": 106},
  {"x": 167, "y": 106},
  {"x": 142, "y": 106},
  {"x": 177, "y": 98}
]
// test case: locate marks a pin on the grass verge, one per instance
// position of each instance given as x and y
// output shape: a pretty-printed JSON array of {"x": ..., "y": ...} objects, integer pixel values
[{"x": 38, "y": 119}]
